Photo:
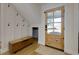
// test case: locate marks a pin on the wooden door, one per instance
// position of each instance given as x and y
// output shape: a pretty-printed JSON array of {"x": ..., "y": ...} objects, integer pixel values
[{"x": 54, "y": 27}]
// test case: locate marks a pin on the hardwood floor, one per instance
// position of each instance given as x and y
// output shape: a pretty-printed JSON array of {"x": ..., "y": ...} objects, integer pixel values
[
  {"x": 29, "y": 50},
  {"x": 44, "y": 50},
  {"x": 36, "y": 49}
]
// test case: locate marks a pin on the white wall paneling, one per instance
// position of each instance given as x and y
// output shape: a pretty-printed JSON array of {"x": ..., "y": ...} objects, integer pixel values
[
  {"x": 71, "y": 29},
  {"x": 0, "y": 29},
  {"x": 11, "y": 25}
]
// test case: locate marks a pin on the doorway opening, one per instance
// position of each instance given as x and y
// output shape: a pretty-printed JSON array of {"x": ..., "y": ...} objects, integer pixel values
[
  {"x": 54, "y": 28},
  {"x": 35, "y": 32}
]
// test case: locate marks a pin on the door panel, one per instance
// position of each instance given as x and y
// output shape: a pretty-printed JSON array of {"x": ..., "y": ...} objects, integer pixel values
[{"x": 55, "y": 28}]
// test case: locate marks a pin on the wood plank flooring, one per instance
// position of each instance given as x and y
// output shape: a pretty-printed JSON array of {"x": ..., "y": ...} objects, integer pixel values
[
  {"x": 29, "y": 50},
  {"x": 36, "y": 49}
]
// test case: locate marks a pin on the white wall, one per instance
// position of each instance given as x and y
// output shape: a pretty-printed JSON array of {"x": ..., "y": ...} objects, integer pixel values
[
  {"x": 47, "y": 6},
  {"x": 12, "y": 32},
  {"x": 78, "y": 18},
  {"x": 71, "y": 29},
  {"x": 0, "y": 22},
  {"x": 30, "y": 11},
  {"x": 71, "y": 26},
  {"x": 78, "y": 26},
  {"x": 42, "y": 30},
  {"x": 0, "y": 27}
]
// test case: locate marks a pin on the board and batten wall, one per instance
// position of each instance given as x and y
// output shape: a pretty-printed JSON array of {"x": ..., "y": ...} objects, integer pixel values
[
  {"x": 78, "y": 28},
  {"x": 71, "y": 29},
  {"x": 71, "y": 26},
  {"x": 0, "y": 29},
  {"x": 78, "y": 18},
  {"x": 13, "y": 25}
]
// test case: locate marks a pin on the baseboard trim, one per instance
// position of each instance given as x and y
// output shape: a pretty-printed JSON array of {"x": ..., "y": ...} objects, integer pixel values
[
  {"x": 5, "y": 53},
  {"x": 55, "y": 48},
  {"x": 67, "y": 53}
]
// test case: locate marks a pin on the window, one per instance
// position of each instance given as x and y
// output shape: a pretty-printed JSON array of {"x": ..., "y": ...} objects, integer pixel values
[{"x": 54, "y": 22}]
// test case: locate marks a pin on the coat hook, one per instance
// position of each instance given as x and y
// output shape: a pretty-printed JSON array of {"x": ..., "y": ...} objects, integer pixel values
[
  {"x": 8, "y": 5},
  {"x": 23, "y": 20},
  {"x": 23, "y": 25},
  {"x": 17, "y": 25},
  {"x": 17, "y": 14},
  {"x": 8, "y": 24}
]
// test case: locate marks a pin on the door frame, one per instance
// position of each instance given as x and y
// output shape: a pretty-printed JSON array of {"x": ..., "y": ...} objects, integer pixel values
[
  {"x": 63, "y": 23},
  {"x": 36, "y": 28}
]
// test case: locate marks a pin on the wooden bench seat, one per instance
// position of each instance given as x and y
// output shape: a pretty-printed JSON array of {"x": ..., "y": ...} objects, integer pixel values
[{"x": 18, "y": 44}]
